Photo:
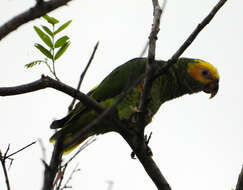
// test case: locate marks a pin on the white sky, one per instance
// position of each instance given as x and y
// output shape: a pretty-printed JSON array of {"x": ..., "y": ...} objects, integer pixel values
[{"x": 197, "y": 142}]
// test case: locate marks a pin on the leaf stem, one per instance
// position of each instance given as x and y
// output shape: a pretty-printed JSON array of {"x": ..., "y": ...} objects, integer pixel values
[{"x": 53, "y": 71}]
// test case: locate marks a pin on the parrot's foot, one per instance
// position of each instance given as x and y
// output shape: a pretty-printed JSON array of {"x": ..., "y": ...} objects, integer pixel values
[{"x": 148, "y": 149}]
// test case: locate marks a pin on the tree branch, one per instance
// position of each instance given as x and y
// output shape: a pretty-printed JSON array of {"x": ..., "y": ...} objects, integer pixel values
[
  {"x": 47, "y": 82},
  {"x": 41, "y": 8},
  {"x": 51, "y": 169},
  {"x": 83, "y": 74},
  {"x": 149, "y": 66},
  {"x": 20, "y": 150},
  {"x": 3, "y": 162},
  {"x": 191, "y": 38},
  {"x": 138, "y": 145},
  {"x": 239, "y": 185},
  {"x": 4, "y": 157}
]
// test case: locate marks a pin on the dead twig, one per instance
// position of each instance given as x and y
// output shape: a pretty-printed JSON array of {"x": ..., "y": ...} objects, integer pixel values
[
  {"x": 20, "y": 149},
  {"x": 5, "y": 157},
  {"x": 76, "y": 169},
  {"x": 191, "y": 38},
  {"x": 43, "y": 149},
  {"x": 83, "y": 74},
  {"x": 83, "y": 146},
  {"x": 3, "y": 163}
]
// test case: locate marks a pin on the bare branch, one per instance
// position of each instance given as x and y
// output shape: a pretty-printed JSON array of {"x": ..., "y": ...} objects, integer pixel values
[
  {"x": 76, "y": 169},
  {"x": 83, "y": 74},
  {"x": 51, "y": 169},
  {"x": 47, "y": 82},
  {"x": 3, "y": 159},
  {"x": 138, "y": 145},
  {"x": 20, "y": 149},
  {"x": 41, "y": 8},
  {"x": 151, "y": 55},
  {"x": 3, "y": 162},
  {"x": 87, "y": 143},
  {"x": 239, "y": 185},
  {"x": 197, "y": 30},
  {"x": 43, "y": 149},
  {"x": 191, "y": 38}
]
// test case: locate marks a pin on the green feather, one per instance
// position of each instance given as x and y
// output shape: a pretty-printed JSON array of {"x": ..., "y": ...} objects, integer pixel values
[{"x": 176, "y": 82}]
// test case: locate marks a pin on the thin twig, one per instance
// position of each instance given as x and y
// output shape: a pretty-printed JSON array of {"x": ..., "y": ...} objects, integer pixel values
[
  {"x": 191, "y": 38},
  {"x": 144, "y": 49},
  {"x": 37, "y": 11},
  {"x": 21, "y": 149},
  {"x": 62, "y": 171},
  {"x": 3, "y": 162},
  {"x": 70, "y": 177},
  {"x": 6, "y": 152},
  {"x": 83, "y": 74},
  {"x": 43, "y": 149},
  {"x": 87, "y": 143},
  {"x": 3, "y": 159}
]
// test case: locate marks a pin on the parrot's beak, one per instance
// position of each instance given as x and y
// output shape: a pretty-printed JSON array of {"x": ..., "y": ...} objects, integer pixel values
[{"x": 212, "y": 88}]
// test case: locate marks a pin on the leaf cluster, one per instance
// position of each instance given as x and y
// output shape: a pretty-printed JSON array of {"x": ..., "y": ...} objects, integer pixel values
[{"x": 54, "y": 48}]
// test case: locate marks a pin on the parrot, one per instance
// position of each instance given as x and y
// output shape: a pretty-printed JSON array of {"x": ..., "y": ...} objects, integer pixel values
[{"x": 185, "y": 76}]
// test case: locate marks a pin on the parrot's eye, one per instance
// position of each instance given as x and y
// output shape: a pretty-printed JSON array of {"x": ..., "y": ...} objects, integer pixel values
[{"x": 205, "y": 73}]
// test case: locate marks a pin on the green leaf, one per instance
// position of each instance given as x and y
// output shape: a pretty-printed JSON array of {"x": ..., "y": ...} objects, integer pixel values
[
  {"x": 48, "y": 31},
  {"x": 43, "y": 50},
  {"x": 51, "y": 20},
  {"x": 33, "y": 63},
  {"x": 61, "y": 41},
  {"x": 45, "y": 38},
  {"x": 65, "y": 25},
  {"x": 62, "y": 50}
]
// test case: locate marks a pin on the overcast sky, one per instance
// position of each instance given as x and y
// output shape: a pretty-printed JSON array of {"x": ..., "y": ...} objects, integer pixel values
[{"x": 197, "y": 142}]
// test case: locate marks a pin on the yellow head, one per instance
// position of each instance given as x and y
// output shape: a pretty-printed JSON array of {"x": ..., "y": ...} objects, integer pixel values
[{"x": 206, "y": 74}]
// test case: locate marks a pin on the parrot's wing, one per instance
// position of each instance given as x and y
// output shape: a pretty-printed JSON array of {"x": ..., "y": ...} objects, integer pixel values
[
  {"x": 119, "y": 79},
  {"x": 110, "y": 87}
]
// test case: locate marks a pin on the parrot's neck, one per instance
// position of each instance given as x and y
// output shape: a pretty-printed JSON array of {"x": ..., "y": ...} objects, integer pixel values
[{"x": 175, "y": 83}]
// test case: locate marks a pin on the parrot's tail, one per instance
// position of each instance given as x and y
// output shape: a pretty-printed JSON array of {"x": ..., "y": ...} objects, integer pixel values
[{"x": 67, "y": 139}]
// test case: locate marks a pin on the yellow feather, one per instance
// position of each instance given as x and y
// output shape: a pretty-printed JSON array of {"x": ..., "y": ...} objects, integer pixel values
[{"x": 195, "y": 70}]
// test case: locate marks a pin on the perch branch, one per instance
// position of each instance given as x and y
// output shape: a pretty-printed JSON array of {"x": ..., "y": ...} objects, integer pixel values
[
  {"x": 105, "y": 113},
  {"x": 47, "y": 82},
  {"x": 138, "y": 145},
  {"x": 41, "y": 8}
]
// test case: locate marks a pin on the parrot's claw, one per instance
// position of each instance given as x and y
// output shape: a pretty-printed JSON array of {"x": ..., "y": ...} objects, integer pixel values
[
  {"x": 147, "y": 139},
  {"x": 148, "y": 149}
]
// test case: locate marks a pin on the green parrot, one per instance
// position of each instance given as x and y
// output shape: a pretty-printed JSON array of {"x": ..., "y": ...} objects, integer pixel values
[{"x": 186, "y": 76}]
